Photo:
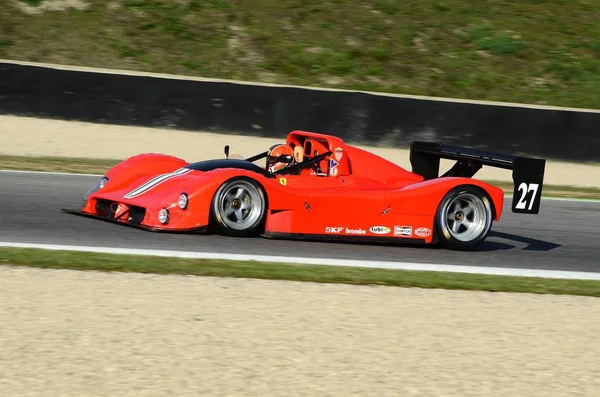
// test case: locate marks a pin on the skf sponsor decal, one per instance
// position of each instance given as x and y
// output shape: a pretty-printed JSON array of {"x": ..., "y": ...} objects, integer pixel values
[
  {"x": 154, "y": 182},
  {"x": 343, "y": 230},
  {"x": 380, "y": 229},
  {"x": 283, "y": 181},
  {"x": 423, "y": 232},
  {"x": 403, "y": 231}
]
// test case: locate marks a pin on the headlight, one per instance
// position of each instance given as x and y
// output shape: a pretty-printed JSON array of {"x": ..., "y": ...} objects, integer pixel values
[
  {"x": 102, "y": 182},
  {"x": 163, "y": 216},
  {"x": 183, "y": 201},
  {"x": 99, "y": 185}
]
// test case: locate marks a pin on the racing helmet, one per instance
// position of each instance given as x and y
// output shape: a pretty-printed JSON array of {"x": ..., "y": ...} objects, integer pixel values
[{"x": 279, "y": 156}]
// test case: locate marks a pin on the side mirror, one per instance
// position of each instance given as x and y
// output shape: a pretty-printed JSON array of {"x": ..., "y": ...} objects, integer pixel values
[{"x": 226, "y": 151}]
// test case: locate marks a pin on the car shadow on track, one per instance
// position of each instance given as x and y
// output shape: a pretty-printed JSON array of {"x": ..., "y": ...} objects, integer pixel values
[{"x": 532, "y": 243}]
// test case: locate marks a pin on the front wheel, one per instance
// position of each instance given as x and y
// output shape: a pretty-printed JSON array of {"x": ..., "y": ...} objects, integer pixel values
[
  {"x": 464, "y": 218},
  {"x": 239, "y": 208}
]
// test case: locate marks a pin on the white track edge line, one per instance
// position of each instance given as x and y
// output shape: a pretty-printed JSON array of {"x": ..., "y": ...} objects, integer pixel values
[{"x": 496, "y": 271}]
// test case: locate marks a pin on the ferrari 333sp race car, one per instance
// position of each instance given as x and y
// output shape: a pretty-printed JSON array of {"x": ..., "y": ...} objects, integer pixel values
[{"x": 329, "y": 191}]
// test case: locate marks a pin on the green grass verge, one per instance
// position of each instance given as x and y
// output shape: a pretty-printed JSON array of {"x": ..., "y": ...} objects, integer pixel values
[
  {"x": 99, "y": 166},
  {"x": 544, "y": 52},
  {"x": 275, "y": 271},
  {"x": 33, "y": 3},
  {"x": 56, "y": 164}
]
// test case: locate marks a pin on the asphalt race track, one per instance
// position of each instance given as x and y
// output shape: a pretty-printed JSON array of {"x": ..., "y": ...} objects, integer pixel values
[{"x": 564, "y": 236}]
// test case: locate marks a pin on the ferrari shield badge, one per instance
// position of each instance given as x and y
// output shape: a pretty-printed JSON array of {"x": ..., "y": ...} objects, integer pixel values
[
  {"x": 283, "y": 181},
  {"x": 338, "y": 153}
]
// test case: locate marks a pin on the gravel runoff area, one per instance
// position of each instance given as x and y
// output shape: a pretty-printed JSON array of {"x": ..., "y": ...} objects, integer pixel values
[
  {"x": 78, "y": 139},
  {"x": 69, "y": 333}
]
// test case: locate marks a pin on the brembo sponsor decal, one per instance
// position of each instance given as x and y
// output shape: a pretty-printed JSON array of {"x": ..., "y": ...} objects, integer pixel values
[
  {"x": 355, "y": 231},
  {"x": 343, "y": 230},
  {"x": 154, "y": 182}
]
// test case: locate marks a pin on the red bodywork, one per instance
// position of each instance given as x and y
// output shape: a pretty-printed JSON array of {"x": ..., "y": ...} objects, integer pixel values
[{"x": 362, "y": 196}]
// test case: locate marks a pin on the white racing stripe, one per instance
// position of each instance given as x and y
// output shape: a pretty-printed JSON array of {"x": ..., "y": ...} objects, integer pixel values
[
  {"x": 498, "y": 271},
  {"x": 154, "y": 182}
]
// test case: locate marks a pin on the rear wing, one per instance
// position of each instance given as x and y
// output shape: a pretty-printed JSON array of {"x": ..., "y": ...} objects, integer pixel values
[{"x": 527, "y": 173}]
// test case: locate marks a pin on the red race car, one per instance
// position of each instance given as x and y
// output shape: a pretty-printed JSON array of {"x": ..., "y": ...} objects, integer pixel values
[{"x": 317, "y": 187}]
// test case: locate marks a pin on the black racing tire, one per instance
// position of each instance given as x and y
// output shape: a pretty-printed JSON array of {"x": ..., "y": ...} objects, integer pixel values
[
  {"x": 238, "y": 208},
  {"x": 464, "y": 218}
]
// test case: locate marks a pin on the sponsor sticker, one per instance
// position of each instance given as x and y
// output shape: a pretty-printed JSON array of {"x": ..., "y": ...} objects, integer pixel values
[
  {"x": 333, "y": 167},
  {"x": 423, "y": 232},
  {"x": 403, "y": 231},
  {"x": 338, "y": 153},
  {"x": 380, "y": 229},
  {"x": 343, "y": 230},
  {"x": 355, "y": 231}
]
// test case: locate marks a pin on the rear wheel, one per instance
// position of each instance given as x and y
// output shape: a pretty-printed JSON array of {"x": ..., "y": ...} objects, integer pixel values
[
  {"x": 464, "y": 218},
  {"x": 239, "y": 208}
]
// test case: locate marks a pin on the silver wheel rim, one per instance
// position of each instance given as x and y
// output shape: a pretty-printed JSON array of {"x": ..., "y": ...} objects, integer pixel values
[
  {"x": 240, "y": 205},
  {"x": 465, "y": 217}
]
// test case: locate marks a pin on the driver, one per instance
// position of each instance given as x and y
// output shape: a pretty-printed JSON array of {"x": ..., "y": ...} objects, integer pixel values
[{"x": 279, "y": 156}]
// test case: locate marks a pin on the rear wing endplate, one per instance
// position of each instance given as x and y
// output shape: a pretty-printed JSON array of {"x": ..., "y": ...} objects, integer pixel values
[{"x": 527, "y": 172}]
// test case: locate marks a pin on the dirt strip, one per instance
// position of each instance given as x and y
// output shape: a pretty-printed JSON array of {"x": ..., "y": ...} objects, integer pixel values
[
  {"x": 43, "y": 137},
  {"x": 68, "y": 333}
]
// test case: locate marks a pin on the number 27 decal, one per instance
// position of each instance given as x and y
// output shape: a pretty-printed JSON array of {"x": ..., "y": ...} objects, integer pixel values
[{"x": 525, "y": 188}]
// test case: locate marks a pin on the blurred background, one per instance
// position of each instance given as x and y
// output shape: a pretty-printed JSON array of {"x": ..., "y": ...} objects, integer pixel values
[{"x": 528, "y": 51}]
